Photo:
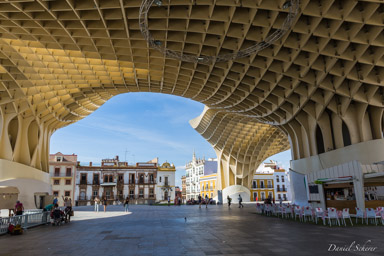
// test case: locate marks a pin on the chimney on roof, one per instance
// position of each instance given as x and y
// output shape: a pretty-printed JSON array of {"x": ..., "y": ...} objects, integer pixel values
[{"x": 90, "y": 163}]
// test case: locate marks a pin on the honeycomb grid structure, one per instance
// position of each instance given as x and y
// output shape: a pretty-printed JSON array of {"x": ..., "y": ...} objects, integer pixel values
[{"x": 61, "y": 60}]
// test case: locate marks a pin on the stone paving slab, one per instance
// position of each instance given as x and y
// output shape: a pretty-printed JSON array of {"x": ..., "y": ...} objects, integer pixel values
[{"x": 163, "y": 230}]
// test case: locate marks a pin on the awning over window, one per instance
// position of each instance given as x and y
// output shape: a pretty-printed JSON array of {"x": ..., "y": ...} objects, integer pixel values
[{"x": 339, "y": 179}]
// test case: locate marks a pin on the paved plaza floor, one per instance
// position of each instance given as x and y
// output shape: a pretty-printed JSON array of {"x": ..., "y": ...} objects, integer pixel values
[{"x": 163, "y": 230}]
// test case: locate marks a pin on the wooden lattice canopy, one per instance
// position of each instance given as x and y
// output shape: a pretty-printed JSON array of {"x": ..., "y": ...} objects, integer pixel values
[{"x": 61, "y": 60}]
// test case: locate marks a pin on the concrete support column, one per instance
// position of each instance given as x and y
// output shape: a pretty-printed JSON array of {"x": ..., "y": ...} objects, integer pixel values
[
  {"x": 337, "y": 124},
  {"x": 6, "y": 151},
  {"x": 325, "y": 126},
  {"x": 21, "y": 152},
  {"x": 376, "y": 115}
]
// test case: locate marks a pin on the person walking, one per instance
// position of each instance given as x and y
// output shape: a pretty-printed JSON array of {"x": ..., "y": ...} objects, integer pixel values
[
  {"x": 199, "y": 197},
  {"x": 206, "y": 201},
  {"x": 240, "y": 201},
  {"x": 126, "y": 203},
  {"x": 281, "y": 201},
  {"x": 229, "y": 200},
  {"x": 169, "y": 200},
  {"x": 105, "y": 202},
  {"x": 97, "y": 203},
  {"x": 19, "y": 208},
  {"x": 55, "y": 201}
]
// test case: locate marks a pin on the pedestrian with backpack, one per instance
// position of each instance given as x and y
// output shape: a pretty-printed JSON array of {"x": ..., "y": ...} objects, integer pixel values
[{"x": 229, "y": 200}]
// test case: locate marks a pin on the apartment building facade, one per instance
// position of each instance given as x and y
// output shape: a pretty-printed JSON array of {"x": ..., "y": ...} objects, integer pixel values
[
  {"x": 62, "y": 172},
  {"x": 196, "y": 169}
]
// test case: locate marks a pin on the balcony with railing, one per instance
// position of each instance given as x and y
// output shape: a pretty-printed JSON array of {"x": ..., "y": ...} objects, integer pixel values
[
  {"x": 58, "y": 175},
  {"x": 281, "y": 189},
  {"x": 270, "y": 186},
  {"x": 83, "y": 182}
]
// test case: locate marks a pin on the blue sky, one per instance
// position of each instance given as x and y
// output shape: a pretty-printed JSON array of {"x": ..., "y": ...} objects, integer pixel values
[{"x": 146, "y": 125}]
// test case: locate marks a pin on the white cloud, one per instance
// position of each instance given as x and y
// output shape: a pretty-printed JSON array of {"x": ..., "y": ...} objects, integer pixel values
[{"x": 143, "y": 134}]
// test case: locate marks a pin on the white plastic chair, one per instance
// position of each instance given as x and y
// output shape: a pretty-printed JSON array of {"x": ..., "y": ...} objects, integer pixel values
[
  {"x": 267, "y": 209},
  {"x": 307, "y": 213},
  {"x": 278, "y": 211},
  {"x": 359, "y": 214},
  {"x": 287, "y": 211},
  {"x": 319, "y": 213},
  {"x": 371, "y": 214},
  {"x": 332, "y": 215},
  {"x": 258, "y": 208},
  {"x": 297, "y": 212},
  {"x": 346, "y": 215}
]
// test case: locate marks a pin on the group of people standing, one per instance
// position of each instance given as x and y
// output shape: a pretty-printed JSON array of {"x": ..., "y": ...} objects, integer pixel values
[
  {"x": 206, "y": 201},
  {"x": 99, "y": 201},
  {"x": 104, "y": 202}
]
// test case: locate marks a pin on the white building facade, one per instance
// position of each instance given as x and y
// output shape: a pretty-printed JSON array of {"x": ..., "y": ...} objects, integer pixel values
[
  {"x": 165, "y": 186},
  {"x": 196, "y": 169},
  {"x": 270, "y": 181},
  {"x": 115, "y": 180},
  {"x": 62, "y": 172},
  {"x": 282, "y": 188}
]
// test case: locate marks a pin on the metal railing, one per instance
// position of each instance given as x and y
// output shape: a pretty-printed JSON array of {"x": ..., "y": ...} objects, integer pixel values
[
  {"x": 26, "y": 220},
  {"x": 58, "y": 175},
  {"x": 33, "y": 211}
]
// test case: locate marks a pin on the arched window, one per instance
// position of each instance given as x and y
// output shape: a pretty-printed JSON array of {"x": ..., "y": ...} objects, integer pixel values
[
  {"x": 346, "y": 135},
  {"x": 319, "y": 141}
]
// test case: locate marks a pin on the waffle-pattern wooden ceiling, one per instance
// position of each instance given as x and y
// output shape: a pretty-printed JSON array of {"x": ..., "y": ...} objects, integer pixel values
[
  {"x": 60, "y": 60},
  {"x": 241, "y": 144}
]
